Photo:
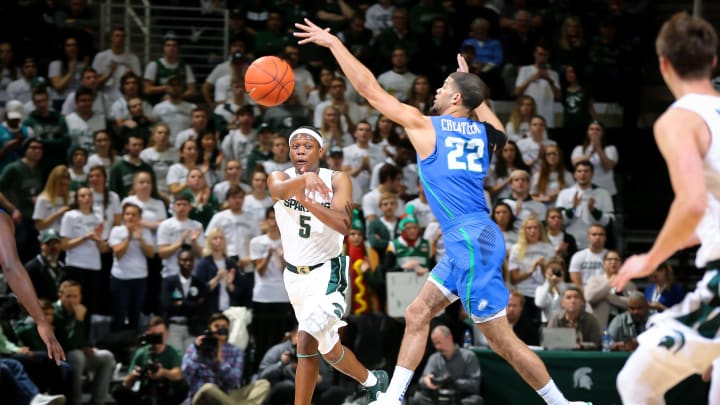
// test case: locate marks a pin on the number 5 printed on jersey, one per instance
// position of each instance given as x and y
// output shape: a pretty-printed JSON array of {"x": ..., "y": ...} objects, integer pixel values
[
  {"x": 304, "y": 231},
  {"x": 466, "y": 155}
]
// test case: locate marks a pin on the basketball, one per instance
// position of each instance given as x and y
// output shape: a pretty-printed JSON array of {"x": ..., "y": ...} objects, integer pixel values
[{"x": 269, "y": 81}]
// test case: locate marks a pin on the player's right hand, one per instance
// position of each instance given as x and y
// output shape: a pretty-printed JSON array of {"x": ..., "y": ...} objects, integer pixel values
[
  {"x": 634, "y": 267},
  {"x": 315, "y": 188}
]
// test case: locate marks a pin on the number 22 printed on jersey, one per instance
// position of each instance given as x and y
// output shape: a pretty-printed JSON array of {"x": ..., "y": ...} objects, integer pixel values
[{"x": 466, "y": 155}]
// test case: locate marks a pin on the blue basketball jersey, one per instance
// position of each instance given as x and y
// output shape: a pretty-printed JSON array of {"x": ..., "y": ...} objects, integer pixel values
[{"x": 453, "y": 174}]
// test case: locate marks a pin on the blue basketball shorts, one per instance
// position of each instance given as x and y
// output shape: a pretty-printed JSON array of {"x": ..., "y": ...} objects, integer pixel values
[{"x": 472, "y": 266}]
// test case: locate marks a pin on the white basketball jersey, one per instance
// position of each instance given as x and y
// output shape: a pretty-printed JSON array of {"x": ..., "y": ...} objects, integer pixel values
[
  {"x": 306, "y": 240},
  {"x": 708, "y": 230}
]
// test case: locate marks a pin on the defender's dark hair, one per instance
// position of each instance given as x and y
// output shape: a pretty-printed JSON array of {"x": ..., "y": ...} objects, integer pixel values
[{"x": 471, "y": 88}]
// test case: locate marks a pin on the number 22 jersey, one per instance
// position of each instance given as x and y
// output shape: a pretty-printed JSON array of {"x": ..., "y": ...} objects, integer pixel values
[{"x": 453, "y": 175}]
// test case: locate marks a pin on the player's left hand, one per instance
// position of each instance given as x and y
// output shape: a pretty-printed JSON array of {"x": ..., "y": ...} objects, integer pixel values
[
  {"x": 634, "y": 267},
  {"x": 55, "y": 351},
  {"x": 462, "y": 64},
  {"x": 311, "y": 33}
]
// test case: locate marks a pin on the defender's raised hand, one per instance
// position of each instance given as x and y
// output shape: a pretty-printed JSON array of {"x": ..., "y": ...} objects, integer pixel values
[{"x": 311, "y": 33}]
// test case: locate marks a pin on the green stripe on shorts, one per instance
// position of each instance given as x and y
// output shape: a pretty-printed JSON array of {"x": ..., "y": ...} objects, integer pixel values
[
  {"x": 471, "y": 273},
  {"x": 705, "y": 320},
  {"x": 338, "y": 281}
]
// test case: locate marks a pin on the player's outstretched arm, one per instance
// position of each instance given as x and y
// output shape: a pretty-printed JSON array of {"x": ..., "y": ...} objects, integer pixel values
[
  {"x": 367, "y": 86},
  {"x": 684, "y": 157},
  {"x": 21, "y": 285}
]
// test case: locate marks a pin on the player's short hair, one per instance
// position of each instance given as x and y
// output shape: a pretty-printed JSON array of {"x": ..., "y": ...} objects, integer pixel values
[
  {"x": 538, "y": 116},
  {"x": 130, "y": 205},
  {"x": 585, "y": 163},
  {"x": 218, "y": 316},
  {"x": 519, "y": 173},
  {"x": 573, "y": 287},
  {"x": 84, "y": 91},
  {"x": 67, "y": 284},
  {"x": 182, "y": 197},
  {"x": 690, "y": 45},
  {"x": 387, "y": 195},
  {"x": 45, "y": 304},
  {"x": 235, "y": 189},
  {"x": 155, "y": 321},
  {"x": 443, "y": 330},
  {"x": 388, "y": 172},
  {"x": 518, "y": 294},
  {"x": 471, "y": 88}
]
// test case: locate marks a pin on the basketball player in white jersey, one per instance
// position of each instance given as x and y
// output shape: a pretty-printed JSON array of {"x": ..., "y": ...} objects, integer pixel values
[
  {"x": 313, "y": 209},
  {"x": 684, "y": 339}
]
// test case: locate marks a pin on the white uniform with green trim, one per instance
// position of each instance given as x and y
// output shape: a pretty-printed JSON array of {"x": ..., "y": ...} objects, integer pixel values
[
  {"x": 318, "y": 283},
  {"x": 684, "y": 339}
]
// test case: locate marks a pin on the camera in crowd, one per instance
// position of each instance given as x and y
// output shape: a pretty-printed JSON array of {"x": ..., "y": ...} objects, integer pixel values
[
  {"x": 150, "y": 339},
  {"x": 446, "y": 395},
  {"x": 209, "y": 343},
  {"x": 150, "y": 367},
  {"x": 557, "y": 272}
]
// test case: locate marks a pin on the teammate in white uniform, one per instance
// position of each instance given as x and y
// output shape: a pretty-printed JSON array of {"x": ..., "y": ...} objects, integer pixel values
[
  {"x": 684, "y": 339},
  {"x": 313, "y": 209}
]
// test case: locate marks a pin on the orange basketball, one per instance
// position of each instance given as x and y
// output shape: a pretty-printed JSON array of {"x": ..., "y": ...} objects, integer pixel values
[{"x": 269, "y": 81}]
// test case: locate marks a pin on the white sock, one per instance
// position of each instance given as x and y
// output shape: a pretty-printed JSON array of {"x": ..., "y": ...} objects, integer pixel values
[
  {"x": 371, "y": 380},
  {"x": 399, "y": 383},
  {"x": 551, "y": 394}
]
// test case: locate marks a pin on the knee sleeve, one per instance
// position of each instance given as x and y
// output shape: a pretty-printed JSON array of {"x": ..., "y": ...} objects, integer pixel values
[{"x": 322, "y": 322}]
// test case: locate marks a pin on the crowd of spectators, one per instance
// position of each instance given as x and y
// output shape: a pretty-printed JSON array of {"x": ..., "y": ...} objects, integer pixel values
[{"x": 139, "y": 192}]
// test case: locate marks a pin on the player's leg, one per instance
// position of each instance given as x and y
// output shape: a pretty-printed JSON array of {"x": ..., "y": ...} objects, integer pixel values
[
  {"x": 714, "y": 395},
  {"x": 503, "y": 341},
  {"x": 431, "y": 300},
  {"x": 667, "y": 354},
  {"x": 308, "y": 368},
  {"x": 485, "y": 297},
  {"x": 345, "y": 361}
]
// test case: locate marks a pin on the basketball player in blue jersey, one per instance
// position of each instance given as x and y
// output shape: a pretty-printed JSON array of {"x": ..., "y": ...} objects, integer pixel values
[
  {"x": 684, "y": 339},
  {"x": 454, "y": 155},
  {"x": 18, "y": 279}
]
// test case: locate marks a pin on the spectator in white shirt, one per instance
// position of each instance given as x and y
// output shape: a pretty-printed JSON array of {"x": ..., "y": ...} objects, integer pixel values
[
  {"x": 81, "y": 231},
  {"x": 532, "y": 148},
  {"x": 238, "y": 226},
  {"x": 603, "y": 157},
  {"x": 83, "y": 123},
  {"x": 160, "y": 155},
  {"x": 177, "y": 231},
  {"x": 132, "y": 245},
  {"x": 541, "y": 83},
  {"x": 520, "y": 201},
  {"x": 588, "y": 262},
  {"x": 233, "y": 177},
  {"x": 584, "y": 204},
  {"x": 198, "y": 126},
  {"x": 174, "y": 111},
  {"x": 130, "y": 88},
  {"x": 153, "y": 210},
  {"x": 111, "y": 64},
  {"x": 399, "y": 80}
]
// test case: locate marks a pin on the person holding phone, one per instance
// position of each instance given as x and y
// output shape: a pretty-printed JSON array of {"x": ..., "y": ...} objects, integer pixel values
[{"x": 541, "y": 83}]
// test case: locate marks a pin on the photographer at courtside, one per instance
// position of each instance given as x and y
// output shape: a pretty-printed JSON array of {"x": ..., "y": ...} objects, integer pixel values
[
  {"x": 155, "y": 376},
  {"x": 451, "y": 375},
  {"x": 213, "y": 369}
]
